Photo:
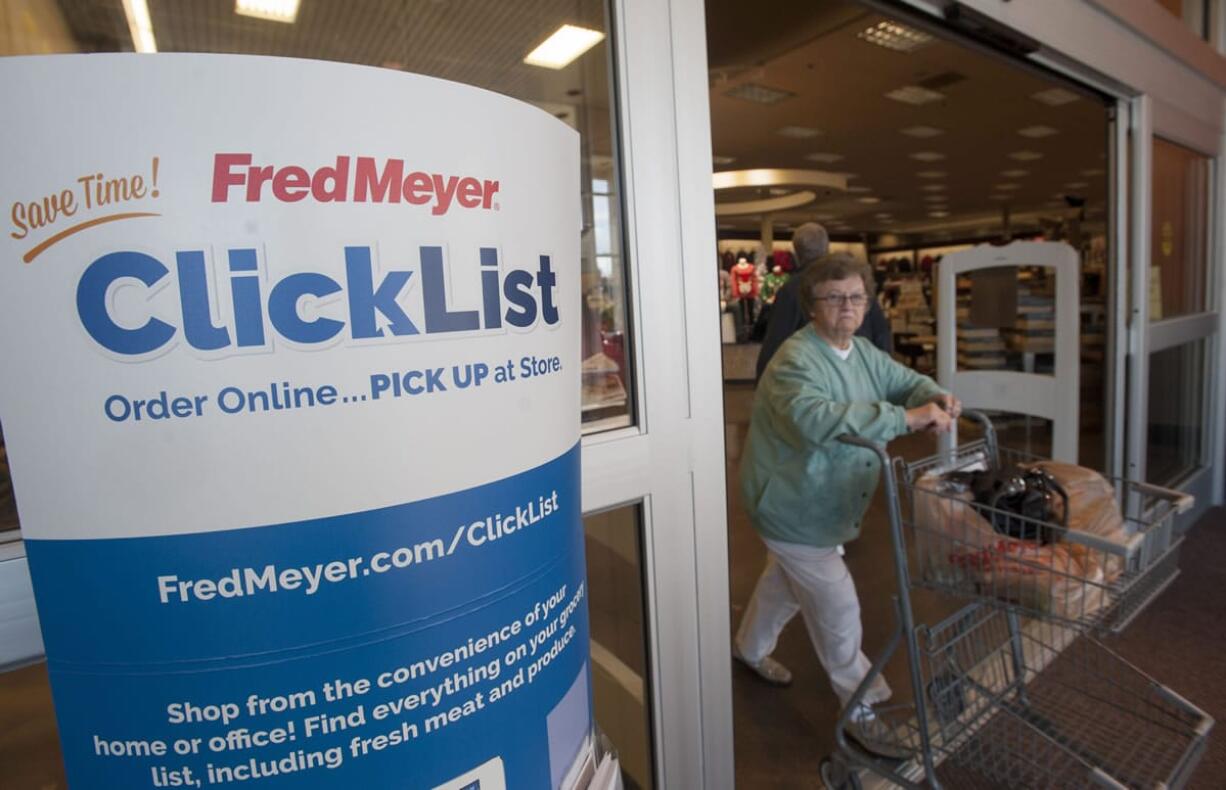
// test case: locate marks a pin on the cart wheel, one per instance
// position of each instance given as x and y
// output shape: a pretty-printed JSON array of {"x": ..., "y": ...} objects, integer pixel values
[{"x": 836, "y": 775}]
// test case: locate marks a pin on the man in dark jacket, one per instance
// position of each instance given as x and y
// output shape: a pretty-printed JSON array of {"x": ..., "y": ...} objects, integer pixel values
[{"x": 810, "y": 242}]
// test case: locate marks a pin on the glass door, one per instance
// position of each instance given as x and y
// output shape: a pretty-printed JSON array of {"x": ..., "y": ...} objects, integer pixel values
[{"x": 1175, "y": 353}]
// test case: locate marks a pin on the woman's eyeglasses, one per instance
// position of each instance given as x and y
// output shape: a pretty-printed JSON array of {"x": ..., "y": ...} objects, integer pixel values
[{"x": 838, "y": 300}]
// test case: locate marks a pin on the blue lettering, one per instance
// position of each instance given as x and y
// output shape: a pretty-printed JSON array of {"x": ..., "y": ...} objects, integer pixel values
[
  {"x": 434, "y": 293},
  {"x": 364, "y": 300},
  {"x": 92, "y": 307},
  {"x": 198, "y": 325},
  {"x": 245, "y": 290},
  {"x": 517, "y": 288},
  {"x": 373, "y": 307},
  {"x": 283, "y": 308}
]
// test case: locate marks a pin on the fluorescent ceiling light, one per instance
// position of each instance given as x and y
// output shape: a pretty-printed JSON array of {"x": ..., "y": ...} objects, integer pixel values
[
  {"x": 826, "y": 158},
  {"x": 1036, "y": 132},
  {"x": 935, "y": 198},
  {"x": 272, "y": 10},
  {"x": 139, "y": 25},
  {"x": 1014, "y": 173},
  {"x": 922, "y": 132},
  {"x": 914, "y": 94},
  {"x": 1054, "y": 97},
  {"x": 1025, "y": 156},
  {"x": 723, "y": 160},
  {"x": 798, "y": 133},
  {"x": 567, "y": 43},
  {"x": 938, "y": 214},
  {"x": 892, "y": 35},
  {"x": 933, "y": 187},
  {"x": 759, "y": 94},
  {"x": 869, "y": 200},
  {"x": 927, "y": 156},
  {"x": 931, "y": 174}
]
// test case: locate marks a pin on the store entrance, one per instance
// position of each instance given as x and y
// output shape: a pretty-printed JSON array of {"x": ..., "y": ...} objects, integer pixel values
[{"x": 907, "y": 145}]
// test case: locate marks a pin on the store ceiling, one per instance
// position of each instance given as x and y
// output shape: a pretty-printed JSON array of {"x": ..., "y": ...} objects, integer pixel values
[
  {"x": 982, "y": 125},
  {"x": 472, "y": 41}
]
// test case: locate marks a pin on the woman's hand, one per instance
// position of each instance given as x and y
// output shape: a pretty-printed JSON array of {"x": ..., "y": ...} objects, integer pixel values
[
  {"x": 950, "y": 403},
  {"x": 929, "y": 417}
]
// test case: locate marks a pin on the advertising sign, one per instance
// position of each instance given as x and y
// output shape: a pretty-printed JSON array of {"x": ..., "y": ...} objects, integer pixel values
[{"x": 291, "y": 399}]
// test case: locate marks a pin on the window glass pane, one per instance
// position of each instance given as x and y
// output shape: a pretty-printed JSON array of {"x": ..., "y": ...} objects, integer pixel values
[
  {"x": 471, "y": 41},
  {"x": 1177, "y": 284},
  {"x": 621, "y": 691},
  {"x": 8, "y": 506},
  {"x": 1176, "y": 412}
]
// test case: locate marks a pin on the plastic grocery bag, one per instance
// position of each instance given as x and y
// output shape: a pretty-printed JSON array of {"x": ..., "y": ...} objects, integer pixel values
[{"x": 959, "y": 550}]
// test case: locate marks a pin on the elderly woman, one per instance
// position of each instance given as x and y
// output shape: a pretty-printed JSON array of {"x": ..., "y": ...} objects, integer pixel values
[{"x": 807, "y": 493}]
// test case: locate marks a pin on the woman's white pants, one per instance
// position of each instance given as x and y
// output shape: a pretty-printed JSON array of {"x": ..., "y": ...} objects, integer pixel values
[{"x": 815, "y": 582}]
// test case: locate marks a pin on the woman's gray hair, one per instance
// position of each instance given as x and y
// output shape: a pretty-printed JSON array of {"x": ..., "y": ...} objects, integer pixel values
[{"x": 835, "y": 266}]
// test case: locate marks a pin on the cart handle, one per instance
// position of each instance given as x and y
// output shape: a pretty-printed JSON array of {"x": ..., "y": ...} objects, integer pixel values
[
  {"x": 867, "y": 444},
  {"x": 989, "y": 432},
  {"x": 1183, "y": 500}
]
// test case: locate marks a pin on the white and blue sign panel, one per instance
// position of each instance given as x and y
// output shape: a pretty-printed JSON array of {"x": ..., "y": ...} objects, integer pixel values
[{"x": 291, "y": 397}]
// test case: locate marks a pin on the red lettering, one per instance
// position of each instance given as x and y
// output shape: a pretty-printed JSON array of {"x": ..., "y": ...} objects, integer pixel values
[
  {"x": 256, "y": 178},
  {"x": 339, "y": 177},
  {"x": 418, "y": 188},
  {"x": 443, "y": 191},
  {"x": 491, "y": 189},
  {"x": 368, "y": 180},
  {"x": 291, "y": 184},
  {"x": 468, "y": 194},
  {"x": 223, "y": 175}
]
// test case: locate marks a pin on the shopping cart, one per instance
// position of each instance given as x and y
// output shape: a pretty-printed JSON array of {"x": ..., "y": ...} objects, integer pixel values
[{"x": 1015, "y": 689}]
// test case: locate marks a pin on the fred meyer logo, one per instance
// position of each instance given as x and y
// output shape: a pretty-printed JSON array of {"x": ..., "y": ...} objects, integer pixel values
[{"x": 365, "y": 180}]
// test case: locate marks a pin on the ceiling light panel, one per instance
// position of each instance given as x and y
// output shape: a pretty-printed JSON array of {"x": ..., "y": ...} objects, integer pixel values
[
  {"x": 271, "y": 10},
  {"x": 935, "y": 198},
  {"x": 892, "y": 35},
  {"x": 1014, "y": 173},
  {"x": 869, "y": 200},
  {"x": 826, "y": 158},
  {"x": 759, "y": 94},
  {"x": 798, "y": 133},
  {"x": 1037, "y": 132},
  {"x": 938, "y": 214},
  {"x": 562, "y": 48},
  {"x": 933, "y": 187},
  {"x": 927, "y": 156},
  {"x": 1054, "y": 97},
  {"x": 915, "y": 95},
  {"x": 922, "y": 132},
  {"x": 931, "y": 174},
  {"x": 1025, "y": 156},
  {"x": 140, "y": 26}
]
